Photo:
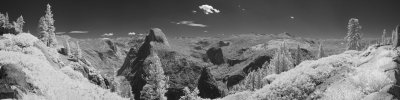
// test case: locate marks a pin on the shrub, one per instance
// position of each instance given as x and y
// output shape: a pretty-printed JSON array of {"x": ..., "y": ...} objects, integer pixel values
[{"x": 190, "y": 95}]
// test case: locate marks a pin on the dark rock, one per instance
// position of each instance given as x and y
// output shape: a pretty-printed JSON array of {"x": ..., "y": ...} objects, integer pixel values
[
  {"x": 181, "y": 70},
  {"x": 233, "y": 80},
  {"x": 223, "y": 43},
  {"x": 395, "y": 89},
  {"x": 285, "y": 35},
  {"x": 63, "y": 51},
  {"x": 232, "y": 62},
  {"x": 8, "y": 30},
  {"x": 379, "y": 96},
  {"x": 93, "y": 75},
  {"x": 257, "y": 63},
  {"x": 215, "y": 55},
  {"x": 134, "y": 68},
  {"x": 209, "y": 87},
  {"x": 12, "y": 76},
  {"x": 174, "y": 93},
  {"x": 155, "y": 39}
]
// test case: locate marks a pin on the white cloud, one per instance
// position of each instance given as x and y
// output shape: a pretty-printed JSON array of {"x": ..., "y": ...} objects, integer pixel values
[
  {"x": 208, "y": 9},
  {"x": 131, "y": 33},
  {"x": 79, "y": 32},
  {"x": 60, "y": 32},
  {"x": 108, "y": 34},
  {"x": 105, "y": 38},
  {"x": 291, "y": 17},
  {"x": 190, "y": 23}
]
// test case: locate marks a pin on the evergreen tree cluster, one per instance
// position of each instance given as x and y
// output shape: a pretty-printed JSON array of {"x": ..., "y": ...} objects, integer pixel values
[
  {"x": 393, "y": 40},
  {"x": 46, "y": 28},
  {"x": 12, "y": 28},
  {"x": 157, "y": 85},
  {"x": 282, "y": 61}
]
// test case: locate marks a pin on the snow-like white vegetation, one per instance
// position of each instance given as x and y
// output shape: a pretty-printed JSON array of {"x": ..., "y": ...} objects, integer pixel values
[
  {"x": 47, "y": 81},
  {"x": 351, "y": 75}
]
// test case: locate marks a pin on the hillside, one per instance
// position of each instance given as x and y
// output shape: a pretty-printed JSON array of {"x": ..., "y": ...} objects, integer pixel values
[
  {"x": 30, "y": 70},
  {"x": 371, "y": 75}
]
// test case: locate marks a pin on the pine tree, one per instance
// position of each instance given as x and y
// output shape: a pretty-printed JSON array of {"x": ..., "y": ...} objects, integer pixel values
[
  {"x": 155, "y": 88},
  {"x": 6, "y": 21},
  {"x": 78, "y": 51},
  {"x": 2, "y": 20},
  {"x": 384, "y": 37},
  {"x": 46, "y": 28},
  {"x": 393, "y": 36},
  {"x": 67, "y": 48},
  {"x": 298, "y": 55},
  {"x": 321, "y": 52},
  {"x": 396, "y": 37},
  {"x": 353, "y": 37},
  {"x": 19, "y": 25},
  {"x": 282, "y": 61}
]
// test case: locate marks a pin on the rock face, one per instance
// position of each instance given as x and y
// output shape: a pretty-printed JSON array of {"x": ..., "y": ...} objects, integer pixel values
[
  {"x": 133, "y": 69},
  {"x": 285, "y": 35},
  {"x": 181, "y": 69},
  {"x": 92, "y": 75},
  {"x": 254, "y": 64},
  {"x": 215, "y": 55},
  {"x": 156, "y": 39},
  {"x": 209, "y": 87}
]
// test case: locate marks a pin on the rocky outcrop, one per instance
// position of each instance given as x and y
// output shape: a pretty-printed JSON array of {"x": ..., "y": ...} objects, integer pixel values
[
  {"x": 285, "y": 35},
  {"x": 215, "y": 55},
  {"x": 155, "y": 40},
  {"x": 209, "y": 87},
  {"x": 181, "y": 69},
  {"x": 13, "y": 82},
  {"x": 134, "y": 69},
  {"x": 92, "y": 74},
  {"x": 223, "y": 43},
  {"x": 238, "y": 76}
]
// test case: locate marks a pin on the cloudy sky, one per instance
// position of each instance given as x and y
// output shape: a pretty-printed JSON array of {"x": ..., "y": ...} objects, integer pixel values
[{"x": 306, "y": 18}]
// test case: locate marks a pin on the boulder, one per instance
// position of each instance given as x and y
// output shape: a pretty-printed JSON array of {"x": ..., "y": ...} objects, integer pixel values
[
  {"x": 379, "y": 96},
  {"x": 12, "y": 80},
  {"x": 223, "y": 43},
  {"x": 209, "y": 87},
  {"x": 215, "y": 55}
]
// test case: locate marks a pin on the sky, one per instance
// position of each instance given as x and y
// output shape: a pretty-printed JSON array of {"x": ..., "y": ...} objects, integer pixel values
[{"x": 191, "y": 18}]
